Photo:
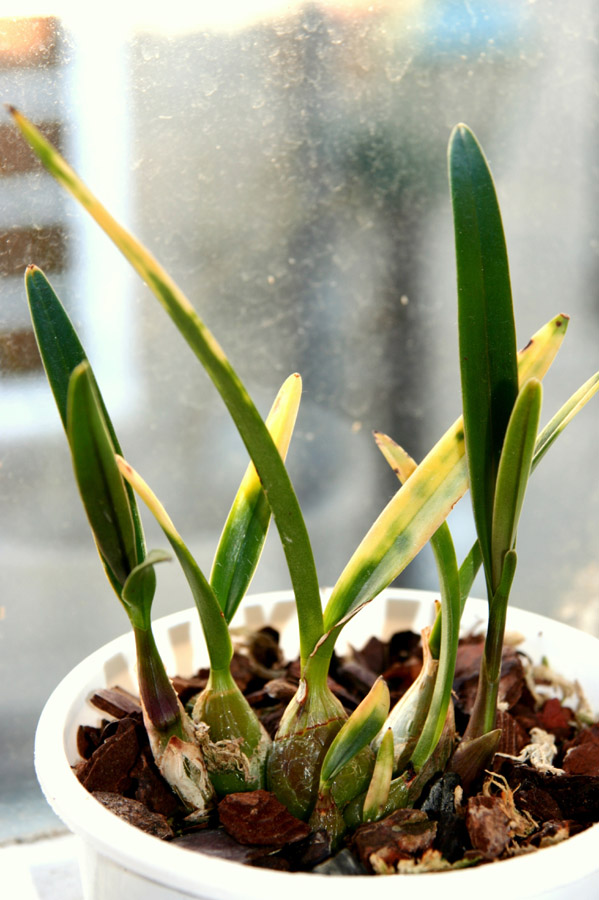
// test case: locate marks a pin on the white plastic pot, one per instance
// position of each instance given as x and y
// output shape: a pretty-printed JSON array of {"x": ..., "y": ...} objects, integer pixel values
[{"x": 118, "y": 860}]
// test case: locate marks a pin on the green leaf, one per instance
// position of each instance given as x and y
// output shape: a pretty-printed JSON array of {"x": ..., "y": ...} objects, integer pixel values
[
  {"x": 466, "y": 575},
  {"x": 447, "y": 568},
  {"x": 468, "y": 571},
  {"x": 407, "y": 717},
  {"x": 61, "y": 352},
  {"x": 60, "y": 348},
  {"x": 448, "y": 622},
  {"x": 99, "y": 481},
  {"x": 564, "y": 416},
  {"x": 245, "y": 530},
  {"x": 380, "y": 783},
  {"x": 513, "y": 474},
  {"x": 487, "y": 338},
  {"x": 545, "y": 439},
  {"x": 215, "y": 628},
  {"x": 138, "y": 591},
  {"x": 357, "y": 732},
  {"x": 508, "y": 571},
  {"x": 405, "y": 525},
  {"x": 261, "y": 448},
  {"x": 413, "y": 515}
]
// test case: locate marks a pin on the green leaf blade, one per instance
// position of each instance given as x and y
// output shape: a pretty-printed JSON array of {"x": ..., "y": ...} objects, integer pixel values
[
  {"x": 214, "y": 626},
  {"x": 445, "y": 558},
  {"x": 447, "y": 569},
  {"x": 358, "y": 731},
  {"x": 514, "y": 470},
  {"x": 245, "y": 530},
  {"x": 62, "y": 351},
  {"x": 545, "y": 440},
  {"x": 99, "y": 481},
  {"x": 405, "y": 525},
  {"x": 564, "y": 416},
  {"x": 487, "y": 338},
  {"x": 60, "y": 348}
]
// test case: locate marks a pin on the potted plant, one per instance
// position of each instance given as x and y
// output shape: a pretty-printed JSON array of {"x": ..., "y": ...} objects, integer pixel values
[
  {"x": 331, "y": 774},
  {"x": 118, "y": 858}
]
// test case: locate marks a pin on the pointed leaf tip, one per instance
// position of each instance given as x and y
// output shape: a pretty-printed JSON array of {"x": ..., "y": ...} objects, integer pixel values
[{"x": 461, "y": 128}]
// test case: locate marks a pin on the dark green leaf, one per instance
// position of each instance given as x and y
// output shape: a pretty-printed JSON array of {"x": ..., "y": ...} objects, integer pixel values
[
  {"x": 487, "y": 339},
  {"x": 99, "y": 481},
  {"x": 468, "y": 572},
  {"x": 59, "y": 346},
  {"x": 61, "y": 352}
]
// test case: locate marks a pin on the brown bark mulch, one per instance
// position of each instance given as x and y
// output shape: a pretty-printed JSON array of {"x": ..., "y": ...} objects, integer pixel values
[{"x": 515, "y": 807}]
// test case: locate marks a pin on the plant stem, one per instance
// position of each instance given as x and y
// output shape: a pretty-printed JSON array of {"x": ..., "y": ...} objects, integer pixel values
[
  {"x": 450, "y": 630},
  {"x": 157, "y": 693},
  {"x": 484, "y": 713}
]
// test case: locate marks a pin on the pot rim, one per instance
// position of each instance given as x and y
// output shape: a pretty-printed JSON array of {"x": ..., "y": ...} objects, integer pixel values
[{"x": 544, "y": 870}]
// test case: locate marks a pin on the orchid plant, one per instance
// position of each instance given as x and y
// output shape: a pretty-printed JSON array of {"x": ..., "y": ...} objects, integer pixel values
[{"x": 328, "y": 769}]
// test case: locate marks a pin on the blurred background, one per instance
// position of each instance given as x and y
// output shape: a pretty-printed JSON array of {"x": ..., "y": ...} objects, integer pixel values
[{"x": 286, "y": 161}]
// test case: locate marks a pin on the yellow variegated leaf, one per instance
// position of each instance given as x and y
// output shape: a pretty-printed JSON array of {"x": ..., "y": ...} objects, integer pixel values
[
  {"x": 400, "y": 461},
  {"x": 282, "y": 499},
  {"x": 413, "y": 515},
  {"x": 357, "y": 732},
  {"x": 380, "y": 783},
  {"x": 243, "y": 536}
]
